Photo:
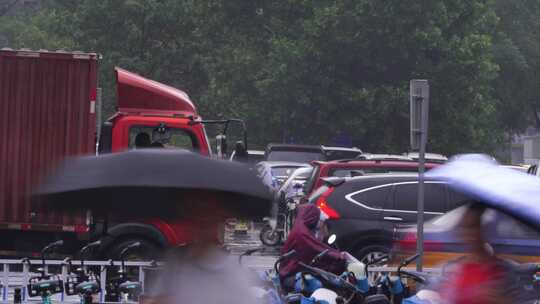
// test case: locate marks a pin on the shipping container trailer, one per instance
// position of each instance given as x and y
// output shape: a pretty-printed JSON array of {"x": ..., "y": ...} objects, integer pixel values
[{"x": 47, "y": 113}]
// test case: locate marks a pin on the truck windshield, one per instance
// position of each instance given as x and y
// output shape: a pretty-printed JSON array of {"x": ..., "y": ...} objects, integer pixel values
[{"x": 173, "y": 138}]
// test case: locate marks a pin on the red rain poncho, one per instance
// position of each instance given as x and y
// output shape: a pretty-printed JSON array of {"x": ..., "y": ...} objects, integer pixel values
[{"x": 302, "y": 239}]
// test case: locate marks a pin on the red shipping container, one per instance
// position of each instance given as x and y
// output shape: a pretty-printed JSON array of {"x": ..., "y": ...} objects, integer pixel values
[{"x": 47, "y": 113}]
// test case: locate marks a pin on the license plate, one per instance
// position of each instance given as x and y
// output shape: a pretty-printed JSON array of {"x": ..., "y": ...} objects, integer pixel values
[{"x": 241, "y": 227}]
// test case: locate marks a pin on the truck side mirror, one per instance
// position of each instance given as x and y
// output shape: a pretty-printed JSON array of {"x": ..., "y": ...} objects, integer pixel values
[{"x": 221, "y": 146}]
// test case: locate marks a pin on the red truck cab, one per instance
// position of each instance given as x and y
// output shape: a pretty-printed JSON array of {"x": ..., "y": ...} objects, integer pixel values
[
  {"x": 170, "y": 119},
  {"x": 144, "y": 106}
]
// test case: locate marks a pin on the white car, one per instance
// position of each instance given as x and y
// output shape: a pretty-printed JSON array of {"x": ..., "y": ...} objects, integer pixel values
[
  {"x": 274, "y": 174},
  {"x": 293, "y": 187}
]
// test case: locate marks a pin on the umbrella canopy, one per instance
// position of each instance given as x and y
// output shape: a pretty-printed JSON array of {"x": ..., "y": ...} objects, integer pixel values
[
  {"x": 483, "y": 179},
  {"x": 153, "y": 180}
]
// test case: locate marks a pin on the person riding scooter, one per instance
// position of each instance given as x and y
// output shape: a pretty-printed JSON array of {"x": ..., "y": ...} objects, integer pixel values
[{"x": 303, "y": 240}]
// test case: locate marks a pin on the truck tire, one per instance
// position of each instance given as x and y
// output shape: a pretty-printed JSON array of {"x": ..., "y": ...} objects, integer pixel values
[{"x": 146, "y": 252}]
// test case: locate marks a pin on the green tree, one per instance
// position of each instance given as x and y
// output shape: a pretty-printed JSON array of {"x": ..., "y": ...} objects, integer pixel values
[{"x": 297, "y": 69}]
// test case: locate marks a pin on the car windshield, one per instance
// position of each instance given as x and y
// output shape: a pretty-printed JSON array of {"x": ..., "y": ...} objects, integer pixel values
[
  {"x": 300, "y": 175},
  {"x": 173, "y": 138},
  {"x": 294, "y": 156},
  {"x": 340, "y": 154},
  {"x": 282, "y": 171}
]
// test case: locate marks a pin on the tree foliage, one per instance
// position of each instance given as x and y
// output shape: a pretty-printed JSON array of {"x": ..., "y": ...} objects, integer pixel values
[{"x": 308, "y": 71}]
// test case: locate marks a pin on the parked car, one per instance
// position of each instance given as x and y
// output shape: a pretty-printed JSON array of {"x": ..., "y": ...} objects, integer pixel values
[
  {"x": 363, "y": 211},
  {"x": 274, "y": 174},
  {"x": 335, "y": 153},
  {"x": 429, "y": 157},
  {"x": 509, "y": 238},
  {"x": 293, "y": 187},
  {"x": 351, "y": 168},
  {"x": 372, "y": 156},
  {"x": 293, "y": 153}
]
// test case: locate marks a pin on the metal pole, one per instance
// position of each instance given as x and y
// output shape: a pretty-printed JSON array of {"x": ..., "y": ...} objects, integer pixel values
[
  {"x": 420, "y": 217},
  {"x": 99, "y": 117}
]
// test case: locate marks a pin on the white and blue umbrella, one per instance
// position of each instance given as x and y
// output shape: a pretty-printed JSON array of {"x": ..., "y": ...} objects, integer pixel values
[{"x": 484, "y": 180}]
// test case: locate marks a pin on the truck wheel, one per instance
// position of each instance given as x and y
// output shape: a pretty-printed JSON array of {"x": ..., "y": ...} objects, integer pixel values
[
  {"x": 146, "y": 252},
  {"x": 269, "y": 237}
]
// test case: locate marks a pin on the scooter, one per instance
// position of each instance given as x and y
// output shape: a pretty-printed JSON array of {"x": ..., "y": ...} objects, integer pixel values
[
  {"x": 45, "y": 285},
  {"x": 277, "y": 229},
  {"x": 81, "y": 281}
]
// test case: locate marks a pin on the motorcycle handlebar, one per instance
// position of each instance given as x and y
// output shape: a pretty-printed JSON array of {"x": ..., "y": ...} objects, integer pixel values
[
  {"x": 89, "y": 246},
  {"x": 319, "y": 256},
  {"x": 283, "y": 257},
  {"x": 329, "y": 277},
  {"x": 407, "y": 261},
  {"x": 128, "y": 248},
  {"x": 288, "y": 254},
  {"x": 52, "y": 246},
  {"x": 379, "y": 259},
  {"x": 417, "y": 276}
]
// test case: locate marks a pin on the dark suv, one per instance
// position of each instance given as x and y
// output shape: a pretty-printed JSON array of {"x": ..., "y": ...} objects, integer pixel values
[
  {"x": 357, "y": 167},
  {"x": 363, "y": 211}
]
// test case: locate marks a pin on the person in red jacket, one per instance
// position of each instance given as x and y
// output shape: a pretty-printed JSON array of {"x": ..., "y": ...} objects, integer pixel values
[
  {"x": 303, "y": 240},
  {"x": 479, "y": 277}
]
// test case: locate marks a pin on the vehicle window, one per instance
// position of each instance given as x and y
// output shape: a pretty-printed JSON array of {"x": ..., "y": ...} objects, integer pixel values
[
  {"x": 406, "y": 197},
  {"x": 283, "y": 171},
  {"x": 375, "y": 198},
  {"x": 338, "y": 154},
  {"x": 436, "y": 198},
  {"x": 456, "y": 199},
  {"x": 173, "y": 138},
  {"x": 294, "y": 156}
]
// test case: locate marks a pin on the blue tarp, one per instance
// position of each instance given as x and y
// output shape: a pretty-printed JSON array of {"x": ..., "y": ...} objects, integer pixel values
[{"x": 483, "y": 179}]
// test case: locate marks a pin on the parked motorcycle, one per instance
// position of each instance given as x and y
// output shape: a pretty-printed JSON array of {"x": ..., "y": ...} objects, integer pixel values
[
  {"x": 276, "y": 230},
  {"x": 121, "y": 287},
  {"x": 45, "y": 285},
  {"x": 81, "y": 281}
]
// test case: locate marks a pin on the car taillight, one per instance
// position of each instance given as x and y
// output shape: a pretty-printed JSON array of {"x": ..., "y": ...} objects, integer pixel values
[{"x": 323, "y": 205}]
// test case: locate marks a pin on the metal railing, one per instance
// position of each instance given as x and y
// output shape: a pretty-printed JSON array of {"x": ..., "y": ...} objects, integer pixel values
[{"x": 15, "y": 274}]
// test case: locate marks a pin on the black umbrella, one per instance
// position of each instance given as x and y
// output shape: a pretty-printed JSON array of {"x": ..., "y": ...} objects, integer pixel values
[{"x": 153, "y": 181}]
